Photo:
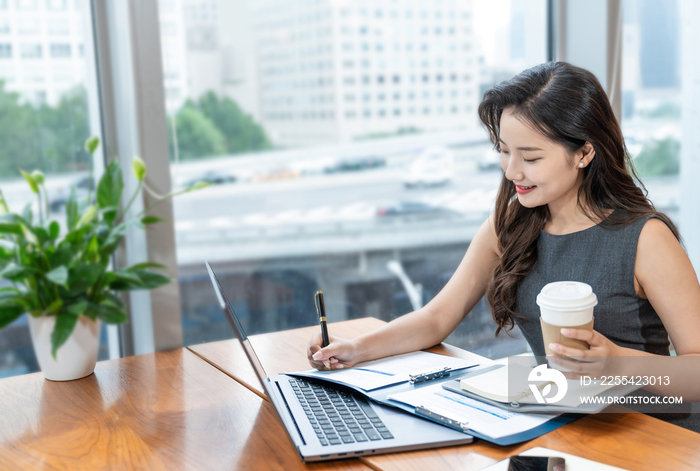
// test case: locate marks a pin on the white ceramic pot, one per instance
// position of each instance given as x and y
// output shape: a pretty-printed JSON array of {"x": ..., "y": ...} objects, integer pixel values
[{"x": 76, "y": 358}]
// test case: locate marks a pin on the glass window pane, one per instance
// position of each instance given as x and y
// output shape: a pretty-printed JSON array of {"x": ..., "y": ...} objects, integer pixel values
[
  {"x": 651, "y": 97},
  {"x": 45, "y": 122},
  {"x": 342, "y": 139}
]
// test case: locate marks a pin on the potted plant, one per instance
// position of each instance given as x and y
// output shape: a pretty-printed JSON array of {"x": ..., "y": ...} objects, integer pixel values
[{"x": 62, "y": 276}]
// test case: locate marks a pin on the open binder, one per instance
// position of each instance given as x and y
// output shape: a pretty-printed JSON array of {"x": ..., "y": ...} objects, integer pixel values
[{"x": 442, "y": 369}]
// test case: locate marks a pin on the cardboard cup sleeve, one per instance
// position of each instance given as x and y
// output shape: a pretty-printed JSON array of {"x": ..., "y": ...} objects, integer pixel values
[{"x": 552, "y": 334}]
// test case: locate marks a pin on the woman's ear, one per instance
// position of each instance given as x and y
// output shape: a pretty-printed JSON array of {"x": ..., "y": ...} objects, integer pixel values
[{"x": 585, "y": 155}]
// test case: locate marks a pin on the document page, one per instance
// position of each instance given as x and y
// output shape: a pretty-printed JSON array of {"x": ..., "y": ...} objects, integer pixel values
[
  {"x": 391, "y": 370},
  {"x": 483, "y": 418}
]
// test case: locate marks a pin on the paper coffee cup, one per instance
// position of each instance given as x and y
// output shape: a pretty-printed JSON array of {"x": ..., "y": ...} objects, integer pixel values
[{"x": 565, "y": 304}]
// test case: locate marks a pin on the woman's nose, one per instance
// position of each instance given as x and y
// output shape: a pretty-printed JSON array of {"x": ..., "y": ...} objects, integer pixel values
[{"x": 511, "y": 168}]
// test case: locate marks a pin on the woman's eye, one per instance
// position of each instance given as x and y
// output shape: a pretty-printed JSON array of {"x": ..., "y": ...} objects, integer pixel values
[{"x": 530, "y": 160}]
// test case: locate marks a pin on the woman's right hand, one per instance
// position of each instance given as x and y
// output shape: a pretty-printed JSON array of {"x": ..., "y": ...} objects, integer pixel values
[{"x": 339, "y": 353}]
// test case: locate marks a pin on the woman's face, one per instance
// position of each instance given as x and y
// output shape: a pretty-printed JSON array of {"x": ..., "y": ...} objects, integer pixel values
[{"x": 542, "y": 171}]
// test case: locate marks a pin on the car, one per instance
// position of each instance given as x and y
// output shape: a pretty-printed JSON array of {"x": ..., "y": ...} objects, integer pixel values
[
  {"x": 414, "y": 210},
  {"x": 354, "y": 164},
  {"x": 213, "y": 177},
  {"x": 434, "y": 167}
]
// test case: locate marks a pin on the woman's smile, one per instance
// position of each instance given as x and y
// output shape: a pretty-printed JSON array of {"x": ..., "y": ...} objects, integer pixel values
[{"x": 524, "y": 189}]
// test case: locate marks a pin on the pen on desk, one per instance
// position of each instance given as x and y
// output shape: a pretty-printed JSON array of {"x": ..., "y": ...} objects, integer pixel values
[{"x": 321, "y": 310}]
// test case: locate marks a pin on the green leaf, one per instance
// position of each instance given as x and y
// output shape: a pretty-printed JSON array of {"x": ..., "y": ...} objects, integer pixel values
[
  {"x": 72, "y": 214},
  {"x": 54, "y": 230},
  {"x": 110, "y": 187},
  {"x": 82, "y": 277},
  {"x": 152, "y": 279},
  {"x": 151, "y": 220},
  {"x": 64, "y": 255},
  {"x": 87, "y": 216},
  {"x": 78, "y": 308},
  {"x": 115, "y": 237},
  {"x": 17, "y": 273},
  {"x": 27, "y": 215},
  {"x": 91, "y": 144},
  {"x": 42, "y": 234},
  {"x": 139, "y": 168},
  {"x": 10, "y": 228},
  {"x": 32, "y": 183},
  {"x": 58, "y": 275},
  {"x": 65, "y": 323},
  {"x": 110, "y": 314},
  {"x": 3, "y": 205},
  {"x": 54, "y": 307},
  {"x": 8, "y": 314},
  {"x": 76, "y": 236},
  {"x": 28, "y": 234},
  {"x": 9, "y": 290},
  {"x": 140, "y": 266},
  {"x": 114, "y": 300},
  {"x": 93, "y": 246},
  {"x": 123, "y": 280}
]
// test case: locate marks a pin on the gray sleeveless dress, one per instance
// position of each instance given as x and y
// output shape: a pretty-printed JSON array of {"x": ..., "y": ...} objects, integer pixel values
[{"x": 604, "y": 258}]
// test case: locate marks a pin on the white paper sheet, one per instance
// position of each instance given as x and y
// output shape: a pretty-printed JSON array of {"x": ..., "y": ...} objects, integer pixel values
[
  {"x": 391, "y": 370},
  {"x": 481, "y": 417}
]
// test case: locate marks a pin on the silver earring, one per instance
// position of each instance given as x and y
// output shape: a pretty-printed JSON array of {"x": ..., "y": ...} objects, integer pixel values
[{"x": 580, "y": 164}]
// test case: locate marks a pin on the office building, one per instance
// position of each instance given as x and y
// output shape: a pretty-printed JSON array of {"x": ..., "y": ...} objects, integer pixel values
[
  {"x": 41, "y": 48},
  {"x": 339, "y": 71}
]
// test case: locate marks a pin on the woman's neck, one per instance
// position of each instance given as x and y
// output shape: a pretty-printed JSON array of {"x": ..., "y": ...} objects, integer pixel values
[{"x": 568, "y": 217}]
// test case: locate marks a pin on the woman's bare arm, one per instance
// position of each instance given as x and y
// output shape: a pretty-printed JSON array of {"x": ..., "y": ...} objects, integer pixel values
[{"x": 429, "y": 325}]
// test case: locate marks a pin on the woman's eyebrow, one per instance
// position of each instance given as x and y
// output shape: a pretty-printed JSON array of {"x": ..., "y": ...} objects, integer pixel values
[{"x": 526, "y": 149}]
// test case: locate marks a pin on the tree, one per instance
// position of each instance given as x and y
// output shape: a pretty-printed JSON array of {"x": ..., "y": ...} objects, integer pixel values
[
  {"x": 659, "y": 158},
  {"x": 17, "y": 134},
  {"x": 197, "y": 136},
  {"x": 45, "y": 138},
  {"x": 240, "y": 131},
  {"x": 64, "y": 129}
]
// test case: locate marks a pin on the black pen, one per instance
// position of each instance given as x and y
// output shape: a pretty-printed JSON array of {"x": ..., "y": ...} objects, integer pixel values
[{"x": 321, "y": 310}]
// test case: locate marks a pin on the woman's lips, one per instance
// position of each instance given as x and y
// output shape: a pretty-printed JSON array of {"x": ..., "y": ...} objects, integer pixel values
[{"x": 521, "y": 189}]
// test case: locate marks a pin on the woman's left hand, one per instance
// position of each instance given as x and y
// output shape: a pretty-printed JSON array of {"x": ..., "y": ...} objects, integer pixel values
[
  {"x": 591, "y": 362},
  {"x": 599, "y": 344}
]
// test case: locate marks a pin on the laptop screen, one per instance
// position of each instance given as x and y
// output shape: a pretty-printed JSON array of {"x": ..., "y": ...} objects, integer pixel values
[{"x": 236, "y": 325}]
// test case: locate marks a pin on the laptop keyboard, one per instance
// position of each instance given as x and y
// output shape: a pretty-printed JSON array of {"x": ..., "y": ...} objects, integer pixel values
[{"x": 338, "y": 417}]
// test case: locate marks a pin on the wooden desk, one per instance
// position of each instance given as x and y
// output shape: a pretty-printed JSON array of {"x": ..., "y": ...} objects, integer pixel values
[
  {"x": 633, "y": 441},
  {"x": 163, "y": 411}
]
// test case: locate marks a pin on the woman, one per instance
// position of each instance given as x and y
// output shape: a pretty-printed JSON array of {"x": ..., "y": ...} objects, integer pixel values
[{"x": 567, "y": 209}]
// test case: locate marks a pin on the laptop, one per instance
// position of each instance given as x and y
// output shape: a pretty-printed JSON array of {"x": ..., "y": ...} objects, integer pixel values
[{"x": 328, "y": 422}]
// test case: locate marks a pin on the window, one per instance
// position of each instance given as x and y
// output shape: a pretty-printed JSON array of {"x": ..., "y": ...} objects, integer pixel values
[
  {"x": 652, "y": 97},
  {"x": 60, "y": 50},
  {"x": 56, "y": 5},
  {"x": 28, "y": 27},
  {"x": 40, "y": 100},
  {"x": 30, "y": 51},
  {"x": 58, "y": 27},
  {"x": 276, "y": 247},
  {"x": 27, "y": 5}
]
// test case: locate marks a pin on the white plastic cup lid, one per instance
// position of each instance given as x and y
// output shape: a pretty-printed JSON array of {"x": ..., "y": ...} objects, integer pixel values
[{"x": 567, "y": 296}]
